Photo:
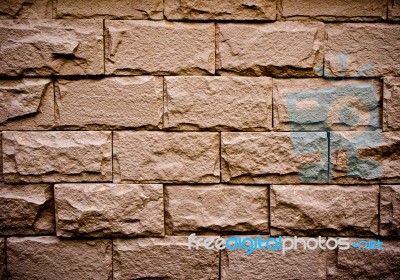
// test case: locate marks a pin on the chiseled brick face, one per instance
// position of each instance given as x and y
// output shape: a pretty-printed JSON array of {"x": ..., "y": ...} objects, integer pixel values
[
  {"x": 391, "y": 104},
  {"x": 394, "y": 10},
  {"x": 218, "y": 103},
  {"x": 32, "y": 9},
  {"x": 390, "y": 210}
]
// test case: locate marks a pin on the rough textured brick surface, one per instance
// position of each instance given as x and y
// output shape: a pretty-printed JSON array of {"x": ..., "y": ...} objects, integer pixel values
[
  {"x": 2, "y": 245},
  {"x": 324, "y": 210},
  {"x": 223, "y": 10},
  {"x": 365, "y": 264},
  {"x": 218, "y": 103},
  {"x": 365, "y": 157},
  {"x": 334, "y": 10},
  {"x": 390, "y": 210},
  {"x": 67, "y": 156},
  {"x": 26, "y": 209},
  {"x": 1, "y": 158},
  {"x": 45, "y": 47},
  {"x": 33, "y": 9},
  {"x": 26, "y": 104},
  {"x": 109, "y": 210},
  {"x": 110, "y": 102},
  {"x": 47, "y": 257},
  {"x": 166, "y": 258},
  {"x": 259, "y": 265},
  {"x": 391, "y": 104},
  {"x": 216, "y": 208},
  {"x": 142, "y": 47},
  {"x": 161, "y": 157},
  {"x": 277, "y": 49},
  {"x": 276, "y": 157},
  {"x": 394, "y": 10},
  {"x": 113, "y": 9},
  {"x": 373, "y": 46},
  {"x": 320, "y": 104}
]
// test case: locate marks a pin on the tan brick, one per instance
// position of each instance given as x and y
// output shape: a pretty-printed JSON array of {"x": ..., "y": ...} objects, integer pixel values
[
  {"x": 365, "y": 157},
  {"x": 47, "y": 257},
  {"x": 216, "y": 208},
  {"x": 162, "y": 157},
  {"x": 33, "y": 9},
  {"x": 163, "y": 258},
  {"x": 1, "y": 158},
  {"x": 267, "y": 264},
  {"x": 390, "y": 210},
  {"x": 391, "y": 104},
  {"x": 159, "y": 47},
  {"x": 112, "y": 9},
  {"x": 26, "y": 104},
  {"x": 394, "y": 10},
  {"x": 272, "y": 49},
  {"x": 110, "y": 102},
  {"x": 57, "y": 156},
  {"x": 223, "y": 10},
  {"x": 364, "y": 263},
  {"x": 319, "y": 104},
  {"x": 47, "y": 47},
  {"x": 276, "y": 157},
  {"x": 109, "y": 210},
  {"x": 334, "y": 10},
  {"x": 2, "y": 247},
  {"x": 324, "y": 210},
  {"x": 26, "y": 209},
  {"x": 218, "y": 103},
  {"x": 370, "y": 47}
]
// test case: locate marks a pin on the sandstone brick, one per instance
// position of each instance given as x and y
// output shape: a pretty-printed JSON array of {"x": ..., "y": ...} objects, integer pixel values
[
  {"x": 109, "y": 210},
  {"x": 276, "y": 157},
  {"x": 370, "y": 48},
  {"x": 47, "y": 257},
  {"x": 1, "y": 158},
  {"x": 33, "y": 9},
  {"x": 277, "y": 49},
  {"x": 26, "y": 104},
  {"x": 155, "y": 157},
  {"x": 365, "y": 157},
  {"x": 112, "y": 9},
  {"x": 324, "y": 210},
  {"x": 143, "y": 47},
  {"x": 47, "y": 47},
  {"x": 391, "y": 103},
  {"x": 294, "y": 264},
  {"x": 57, "y": 156},
  {"x": 390, "y": 210},
  {"x": 223, "y": 10},
  {"x": 394, "y": 10},
  {"x": 26, "y": 209},
  {"x": 218, "y": 103},
  {"x": 216, "y": 208},
  {"x": 320, "y": 104},
  {"x": 110, "y": 102},
  {"x": 334, "y": 10},
  {"x": 163, "y": 258},
  {"x": 2, "y": 250},
  {"x": 365, "y": 264}
]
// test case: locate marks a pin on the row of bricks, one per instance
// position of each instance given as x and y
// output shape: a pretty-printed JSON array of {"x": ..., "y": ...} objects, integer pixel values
[
  {"x": 282, "y": 49},
  {"x": 123, "y": 210},
  {"x": 364, "y": 157},
  {"x": 199, "y": 103},
  {"x": 48, "y": 257},
  {"x": 336, "y": 10}
]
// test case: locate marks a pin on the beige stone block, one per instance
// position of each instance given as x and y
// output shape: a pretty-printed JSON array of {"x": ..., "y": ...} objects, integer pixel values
[
  {"x": 111, "y": 9},
  {"x": 222, "y": 10},
  {"x": 216, "y": 208},
  {"x": 114, "y": 102},
  {"x": 163, "y": 157},
  {"x": 32, "y": 9},
  {"x": 218, "y": 103},
  {"x": 391, "y": 104},
  {"x": 47, "y": 257},
  {"x": 390, "y": 210},
  {"x": 51, "y": 47},
  {"x": 270, "y": 49},
  {"x": 159, "y": 47},
  {"x": 57, "y": 156},
  {"x": 100, "y": 210},
  {"x": 163, "y": 258},
  {"x": 394, "y": 10}
]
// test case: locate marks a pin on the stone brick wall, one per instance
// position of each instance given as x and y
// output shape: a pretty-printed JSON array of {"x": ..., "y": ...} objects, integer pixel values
[{"x": 128, "y": 125}]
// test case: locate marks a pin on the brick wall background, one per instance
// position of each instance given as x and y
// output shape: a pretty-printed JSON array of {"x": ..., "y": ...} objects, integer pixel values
[{"x": 128, "y": 125}]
